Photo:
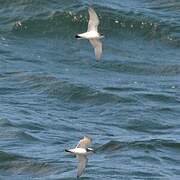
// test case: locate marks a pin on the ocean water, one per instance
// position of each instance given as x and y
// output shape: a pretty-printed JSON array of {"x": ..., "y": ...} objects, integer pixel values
[{"x": 53, "y": 91}]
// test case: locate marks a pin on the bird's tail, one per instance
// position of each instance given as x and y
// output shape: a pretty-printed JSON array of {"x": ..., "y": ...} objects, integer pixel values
[{"x": 78, "y": 37}]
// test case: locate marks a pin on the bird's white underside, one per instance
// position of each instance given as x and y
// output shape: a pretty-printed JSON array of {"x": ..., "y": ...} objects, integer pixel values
[
  {"x": 89, "y": 35},
  {"x": 80, "y": 151}
]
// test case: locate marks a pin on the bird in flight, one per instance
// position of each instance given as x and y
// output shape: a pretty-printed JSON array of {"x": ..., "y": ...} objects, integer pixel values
[
  {"x": 82, "y": 151},
  {"x": 92, "y": 33}
]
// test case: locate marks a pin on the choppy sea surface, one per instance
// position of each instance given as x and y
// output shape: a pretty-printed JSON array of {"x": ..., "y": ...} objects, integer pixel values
[{"x": 53, "y": 92}]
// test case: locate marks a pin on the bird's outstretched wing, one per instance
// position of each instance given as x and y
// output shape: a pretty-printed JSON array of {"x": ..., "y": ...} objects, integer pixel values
[
  {"x": 93, "y": 20},
  {"x": 84, "y": 143},
  {"x": 82, "y": 164},
  {"x": 96, "y": 43}
]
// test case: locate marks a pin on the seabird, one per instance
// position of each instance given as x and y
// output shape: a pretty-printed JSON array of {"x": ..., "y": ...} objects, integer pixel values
[
  {"x": 92, "y": 33},
  {"x": 82, "y": 151}
]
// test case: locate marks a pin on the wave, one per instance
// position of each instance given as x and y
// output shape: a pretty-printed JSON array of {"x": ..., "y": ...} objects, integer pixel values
[
  {"x": 67, "y": 23},
  {"x": 83, "y": 94},
  {"x": 17, "y": 164},
  {"x": 44, "y": 84},
  {"x": 4, "y": 156},
  {"x": 66, "y": 90},
  {"x": 143, "y": 68},
  {"x": 151, "y": 144},
  {"x": 20, "y": 134},
  {"x": 70, "y": 91},
  {"x": 32, "y": 126}
]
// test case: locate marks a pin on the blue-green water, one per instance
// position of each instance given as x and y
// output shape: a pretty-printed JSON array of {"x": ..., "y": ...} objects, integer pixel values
[{"x": 53, "y": 92}]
